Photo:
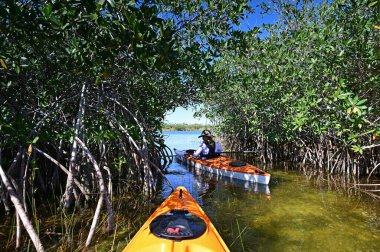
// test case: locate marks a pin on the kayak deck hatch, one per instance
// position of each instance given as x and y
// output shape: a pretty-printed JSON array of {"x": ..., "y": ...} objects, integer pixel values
[{"x": 178, "y": 225}]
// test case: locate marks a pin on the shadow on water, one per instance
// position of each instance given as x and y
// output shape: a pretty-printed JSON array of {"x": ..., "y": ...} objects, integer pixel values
[{"x": 293, "y": 213}]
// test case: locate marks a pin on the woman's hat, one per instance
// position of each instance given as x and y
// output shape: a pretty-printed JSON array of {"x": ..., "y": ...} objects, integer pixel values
[{"x": 206, "y": 133}]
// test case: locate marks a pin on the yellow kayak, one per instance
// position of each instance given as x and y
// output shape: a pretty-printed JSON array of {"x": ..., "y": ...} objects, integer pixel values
[{"x": 179, "y": 224}]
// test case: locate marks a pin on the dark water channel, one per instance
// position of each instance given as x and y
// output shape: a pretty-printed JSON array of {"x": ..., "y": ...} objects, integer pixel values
[{"x": 293, "y": 213}]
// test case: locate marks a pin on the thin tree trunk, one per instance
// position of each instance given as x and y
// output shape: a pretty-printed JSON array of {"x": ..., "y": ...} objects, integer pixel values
[
  {"x": 373, "y": 169},
  {"x": 18, "y": 231},
  {"x": 4, "y": 198},
  {"x": 15, "y": 160},
  {"x": 55, "y": 178},
  {"x": 148, "y": 176},
  {"x": 94, "y": 221},
  {"x": 25, "y": 181},
  {"x": 83, "y": 189},
  {"x": 68, "y": 195},
  {"x": 102, "y": 188},
  {"x": 144, "y": 159},
  {"x": 20, "y": 211},
  {"x": 31, "y": 134},
  {"x": 109, "y": 181},
  {"x": 20, "y": 190},
  {"x": 153, "y": 164},
  {"x": 104, "y": 164}
]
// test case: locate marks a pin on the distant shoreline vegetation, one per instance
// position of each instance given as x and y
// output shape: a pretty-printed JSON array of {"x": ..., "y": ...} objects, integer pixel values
[{"x": 183, "y": 127}]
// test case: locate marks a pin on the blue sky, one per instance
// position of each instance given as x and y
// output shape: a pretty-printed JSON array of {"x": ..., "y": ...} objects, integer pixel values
[
  {"x": 182, "y": 115},
  {"x": 257, "y": 19}
]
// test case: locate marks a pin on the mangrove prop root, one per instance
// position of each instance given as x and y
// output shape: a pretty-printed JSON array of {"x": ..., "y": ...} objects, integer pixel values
[{"x": 20, "y": 211}]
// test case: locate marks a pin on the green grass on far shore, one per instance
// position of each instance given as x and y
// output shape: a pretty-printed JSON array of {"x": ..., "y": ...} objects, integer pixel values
[{"x": 183, "y": 127}]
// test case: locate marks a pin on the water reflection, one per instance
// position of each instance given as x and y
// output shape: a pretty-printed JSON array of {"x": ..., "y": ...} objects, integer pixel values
[
  {"x": 199, "y": 181},
  {"x": 206, "y": 178}
]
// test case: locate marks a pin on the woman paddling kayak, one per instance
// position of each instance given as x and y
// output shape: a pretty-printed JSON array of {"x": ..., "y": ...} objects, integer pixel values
[{"x": 209, "y": 148}]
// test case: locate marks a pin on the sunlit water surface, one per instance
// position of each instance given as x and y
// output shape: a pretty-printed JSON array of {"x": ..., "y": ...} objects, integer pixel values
[{"x": 291, "y": 214}]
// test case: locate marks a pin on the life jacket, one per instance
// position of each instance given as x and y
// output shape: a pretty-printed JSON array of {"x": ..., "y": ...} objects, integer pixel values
[{"x": 211, "y": 151}]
